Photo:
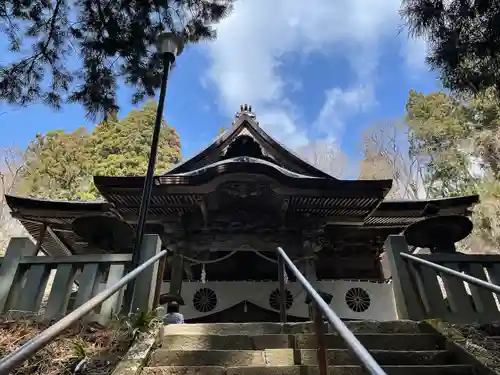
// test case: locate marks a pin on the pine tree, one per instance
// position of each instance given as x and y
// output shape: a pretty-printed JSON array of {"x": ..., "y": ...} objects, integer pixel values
[
  {"x": 463, "y": 39},
  {"x": 113, "y": 39}
]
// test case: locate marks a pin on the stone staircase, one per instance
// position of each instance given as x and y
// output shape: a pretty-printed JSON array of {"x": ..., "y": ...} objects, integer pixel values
[{"x": 402, "y": 348}]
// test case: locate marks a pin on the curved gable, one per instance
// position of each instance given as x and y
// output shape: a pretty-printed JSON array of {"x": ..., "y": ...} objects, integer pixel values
[{"x": 246, "y": 126}]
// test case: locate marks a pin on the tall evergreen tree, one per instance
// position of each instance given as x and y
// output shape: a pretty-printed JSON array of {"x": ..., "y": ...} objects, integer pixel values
[
  {"x": 121, "y": 147},
  {"x": 113, "y": 39},
  {"x": 61, "y": 165}
]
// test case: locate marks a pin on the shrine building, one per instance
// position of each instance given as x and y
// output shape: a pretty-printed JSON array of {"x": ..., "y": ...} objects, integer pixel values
[{"x": 224, "y": 212}]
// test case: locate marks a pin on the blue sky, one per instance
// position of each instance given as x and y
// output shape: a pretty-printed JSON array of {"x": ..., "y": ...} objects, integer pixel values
[{"x": 311, "y": 70}]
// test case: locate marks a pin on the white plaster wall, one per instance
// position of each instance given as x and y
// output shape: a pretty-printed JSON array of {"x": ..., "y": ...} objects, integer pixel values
[{"x": 230, "y": 293}]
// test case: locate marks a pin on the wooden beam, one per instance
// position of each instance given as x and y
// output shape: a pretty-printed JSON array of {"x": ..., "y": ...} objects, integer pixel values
[
  {"x": 42, "y": 221},
  {"x": 82, "y": 259},
  {"x": 59, "y": 242},
  {"x": 39, "y": 241},
  {"x": 47, "y": 214}
]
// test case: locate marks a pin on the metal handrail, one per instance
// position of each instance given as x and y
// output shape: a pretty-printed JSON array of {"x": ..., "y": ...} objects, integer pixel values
[
  {"x": 463, "y": 276},
  {"x": 11, "y": 361},
  {"x": 366, "y": 359}
]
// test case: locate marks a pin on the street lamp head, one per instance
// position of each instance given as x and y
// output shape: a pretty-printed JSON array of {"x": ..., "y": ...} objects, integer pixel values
[{"x": 171, "y": 43}]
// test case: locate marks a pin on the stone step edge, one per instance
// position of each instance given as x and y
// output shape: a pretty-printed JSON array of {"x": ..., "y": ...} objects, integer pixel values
[
  {"x": 333, "y": 350},
  {"x": 198, "y": 368},
  {"x": 399, "y": 334},
  {"x": 398, "y": 326},
  {"x": 304, "y": 324},
  {"x": 348, "y": 366},
  {"x": 360, "y": 321}
]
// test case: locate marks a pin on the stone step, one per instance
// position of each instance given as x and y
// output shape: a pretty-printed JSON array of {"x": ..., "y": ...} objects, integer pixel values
[
  {"x": 289, "y": 357},
  {"x": 391, "y": 341},
  {"x": 305, "y": 370},
  {"x": 366, "y": 326}
]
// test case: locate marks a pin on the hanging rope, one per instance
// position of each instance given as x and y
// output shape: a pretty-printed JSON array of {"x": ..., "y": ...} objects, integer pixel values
[
  {"x": 276, "y": 261},
  {"x": 209, "y": 261},
  {"x": 265, "y": 257},
  {"x": 195, "y": 261}
]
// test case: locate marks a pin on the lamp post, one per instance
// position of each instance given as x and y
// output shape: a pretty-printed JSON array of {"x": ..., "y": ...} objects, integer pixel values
[{"x": 170, "y": 45}]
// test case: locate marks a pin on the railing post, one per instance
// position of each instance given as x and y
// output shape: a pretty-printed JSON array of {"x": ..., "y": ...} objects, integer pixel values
[
  {"x": 145, "y": 284},
  {"x": 162, "y": 264},
  {"x": 281, "y": 278},
  {"x": 405, "y": 294},
  {"x": 319, "y": 327},
  {"x": 10, "y": 275}
]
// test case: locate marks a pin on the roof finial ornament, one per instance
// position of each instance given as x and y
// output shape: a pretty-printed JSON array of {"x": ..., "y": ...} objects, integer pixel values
[{"x": 245, "y": 109}]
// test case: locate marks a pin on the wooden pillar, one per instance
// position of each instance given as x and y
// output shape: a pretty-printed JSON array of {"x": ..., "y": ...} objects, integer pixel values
[
  {"x": 309, "y": 271},
  {"x": 177, "y": 273},
  {"x": 310, "y": 274},
  {"x": 406, "y": 297},
  {"x": 321, "y": 350}
]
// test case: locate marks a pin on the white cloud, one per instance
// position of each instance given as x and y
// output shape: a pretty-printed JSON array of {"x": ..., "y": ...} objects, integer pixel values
[
  {"x": 341, "y": 104},
  {"x": 252, "y": 42},
  {"x": 282, "y": 124}
]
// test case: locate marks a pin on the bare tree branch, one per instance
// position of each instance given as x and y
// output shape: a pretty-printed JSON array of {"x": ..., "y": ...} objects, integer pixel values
[
  {"x": 386, "y": 155},
  {"x": 11, "y": 165},
  {"x": 325, "y": 155}
]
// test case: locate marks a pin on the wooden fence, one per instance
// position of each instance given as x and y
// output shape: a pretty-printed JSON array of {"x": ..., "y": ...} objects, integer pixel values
[
  {"x": 24, "y": 277},
  {"x": 423, "y": 293}
]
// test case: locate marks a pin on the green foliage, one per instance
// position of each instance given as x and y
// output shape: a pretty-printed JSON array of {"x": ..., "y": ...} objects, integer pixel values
[
  {"x": 113, "y": 39},
  {"x": 486, "y": 115},
  {"x": 487, "y": 213},
  {"x": 61, "y": 165},
  {"x": 79, "y": 351},
  {"x": 58, "y": 166},
  {"x": 122, "y": 147},
  {"x": 142, "y": 321},
  {"x": 463, "y": 39},
  {"x": 439, "y": 127}
]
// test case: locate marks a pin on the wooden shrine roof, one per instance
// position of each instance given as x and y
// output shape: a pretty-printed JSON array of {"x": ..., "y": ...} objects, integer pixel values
[
  {"x": 57, "y": 216},
  {"x": 390, "y": 217}
]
